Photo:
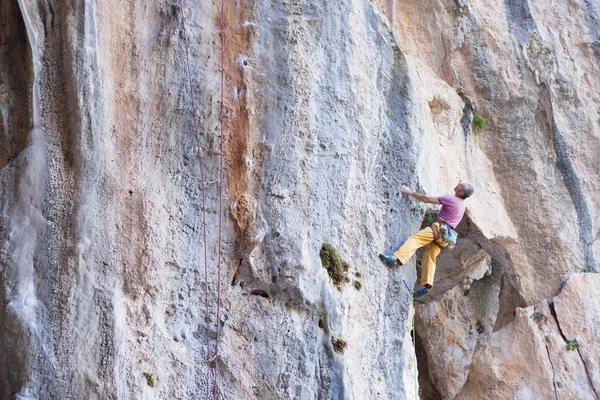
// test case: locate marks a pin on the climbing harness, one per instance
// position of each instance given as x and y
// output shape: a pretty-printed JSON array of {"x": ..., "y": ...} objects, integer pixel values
[
  {"x": 209, "y": 359},
  {"x": 443, "y": 235}
]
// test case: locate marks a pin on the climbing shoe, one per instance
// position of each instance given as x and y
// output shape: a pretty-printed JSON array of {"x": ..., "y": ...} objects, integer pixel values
[
  {"x": 422, "y": 291},
  {"x": 389, "y": 261}
]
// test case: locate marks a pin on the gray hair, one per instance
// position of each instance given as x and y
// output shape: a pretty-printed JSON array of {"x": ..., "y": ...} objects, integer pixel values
[{"x": 467, "y": 190}]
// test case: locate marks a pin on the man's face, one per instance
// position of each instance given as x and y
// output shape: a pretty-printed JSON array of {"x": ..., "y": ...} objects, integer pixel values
[{"x": 458, "y": 190}]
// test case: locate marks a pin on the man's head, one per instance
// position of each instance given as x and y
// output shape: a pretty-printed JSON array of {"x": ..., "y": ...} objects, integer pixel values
[{"x": 463, "y": 190}]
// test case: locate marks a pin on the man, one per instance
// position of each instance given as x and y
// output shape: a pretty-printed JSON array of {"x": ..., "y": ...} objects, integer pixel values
[{"x": 452, "y": 211}]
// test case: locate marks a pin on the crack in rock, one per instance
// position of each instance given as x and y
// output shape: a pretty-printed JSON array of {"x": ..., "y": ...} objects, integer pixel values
[
  {"x": 555, "y": 316},
  {"x": 553, "y": 370}
]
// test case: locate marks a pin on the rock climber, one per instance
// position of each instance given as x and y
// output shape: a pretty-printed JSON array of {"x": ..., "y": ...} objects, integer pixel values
[{"x": 439, "y": 234}]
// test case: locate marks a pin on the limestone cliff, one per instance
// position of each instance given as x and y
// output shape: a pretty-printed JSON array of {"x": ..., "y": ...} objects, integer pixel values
[{"x": 329, "y": 107}]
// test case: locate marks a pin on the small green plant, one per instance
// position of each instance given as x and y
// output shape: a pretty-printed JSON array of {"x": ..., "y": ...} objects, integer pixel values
[
  {"x": 358, "y": 275},
  {"x": 357, "y": 285},
  {"x": 149, "y": 379},
  {"x": 572, "y": 345},
  {"x": 339, "y": 345},
  {"x": 389, "y": 113},
  {"x": 336, "y": 267},
  {"x": 479, "y": 121},
  {"x": 479, "y": 326}
]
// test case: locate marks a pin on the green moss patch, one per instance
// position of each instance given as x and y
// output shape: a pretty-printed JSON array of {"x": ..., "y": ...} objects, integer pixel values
[
  {"x": 335, "y": 265},
  {"x": 150, "y": 379},
  {"x": 479, "y": 121},
  {"x": 480, "y": 328},
  {"x": 339, "y": 344}
]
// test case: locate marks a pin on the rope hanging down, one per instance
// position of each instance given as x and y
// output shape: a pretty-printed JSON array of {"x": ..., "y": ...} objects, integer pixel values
[
  {"x": 414, "y": 264},
  {"x": 220, "y": 192},
  {"x": 199, "y": 156}
]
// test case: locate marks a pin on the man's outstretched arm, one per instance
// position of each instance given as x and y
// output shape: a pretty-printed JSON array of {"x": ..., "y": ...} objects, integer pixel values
[{"x": 421, "y": 197}]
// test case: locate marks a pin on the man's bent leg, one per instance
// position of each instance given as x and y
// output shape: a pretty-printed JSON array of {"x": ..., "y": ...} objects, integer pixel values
[
  {"x": 413, "y": 243},
  {"x": 428, "y": 264}
]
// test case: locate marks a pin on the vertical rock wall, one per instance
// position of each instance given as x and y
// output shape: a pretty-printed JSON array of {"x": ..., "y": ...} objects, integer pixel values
[{"x": 329, "y": 108}]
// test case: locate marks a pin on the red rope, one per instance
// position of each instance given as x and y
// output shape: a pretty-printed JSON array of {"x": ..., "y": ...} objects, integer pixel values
[
  {"x": 220, "y": 193},
  {"x": 187, "y": 57}
]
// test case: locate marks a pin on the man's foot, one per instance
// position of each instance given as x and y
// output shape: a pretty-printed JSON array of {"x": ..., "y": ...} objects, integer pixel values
[
  {"x": 422, "y": 291},
  {"x": 389, "y": 261}
]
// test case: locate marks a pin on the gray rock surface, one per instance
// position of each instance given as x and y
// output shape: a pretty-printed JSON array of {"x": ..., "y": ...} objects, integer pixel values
[{"x": 329, "y": 108}]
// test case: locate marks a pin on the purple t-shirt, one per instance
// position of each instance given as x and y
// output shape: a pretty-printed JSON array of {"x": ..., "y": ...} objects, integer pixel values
[{"x": 452, "y": 211}]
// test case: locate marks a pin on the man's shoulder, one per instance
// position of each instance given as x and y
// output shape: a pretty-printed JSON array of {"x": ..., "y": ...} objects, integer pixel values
[{"x": 450, "y": 199}]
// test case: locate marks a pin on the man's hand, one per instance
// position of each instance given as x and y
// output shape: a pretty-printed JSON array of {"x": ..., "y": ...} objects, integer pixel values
[{"x": 407, "y": 190}]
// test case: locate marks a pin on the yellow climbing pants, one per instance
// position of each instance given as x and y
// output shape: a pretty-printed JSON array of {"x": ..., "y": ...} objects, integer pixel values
[{"x": 422, "y": 238}]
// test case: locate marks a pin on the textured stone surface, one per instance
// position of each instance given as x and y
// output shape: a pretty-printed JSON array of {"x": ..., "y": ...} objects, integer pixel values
[
  {"x": 578, "y": 314},
  {"x": 329, "y": 108},
  {"x": 450, "y": 330},
  {"x": 528, "y": 359}
]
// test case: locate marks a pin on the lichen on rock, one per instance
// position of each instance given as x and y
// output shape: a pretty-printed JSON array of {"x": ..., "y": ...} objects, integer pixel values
[{"x": 337, "y": 268}]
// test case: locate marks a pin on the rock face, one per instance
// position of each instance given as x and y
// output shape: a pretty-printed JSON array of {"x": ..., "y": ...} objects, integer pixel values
[
  {"x": 538, "y": 355},
  {"x": 578, "y": 314},
  {"x": 122, "y": 262}
]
